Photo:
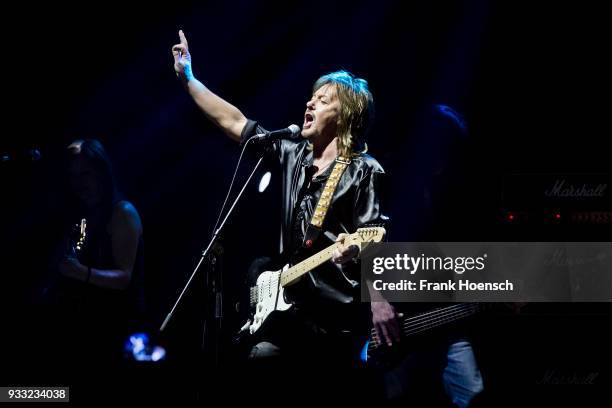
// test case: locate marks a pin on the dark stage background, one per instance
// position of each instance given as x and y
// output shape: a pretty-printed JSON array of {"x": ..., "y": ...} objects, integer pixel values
[{"x": 531, "y": 81}]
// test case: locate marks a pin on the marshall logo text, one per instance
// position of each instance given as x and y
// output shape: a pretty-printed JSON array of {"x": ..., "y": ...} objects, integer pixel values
[{"x": 563, "y": 189}]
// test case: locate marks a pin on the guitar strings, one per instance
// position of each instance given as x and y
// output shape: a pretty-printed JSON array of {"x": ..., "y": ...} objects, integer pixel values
[
  {"x": 436, "y": 320},
  {"x": 415, "y": 330},
  {"x": 434, "y": 323},
  {"x": 439, "y": 316},
  {"x": 449, "y": 311},
  {"x": 432, "y": 319},
  {"x": 434, "y": 313}
]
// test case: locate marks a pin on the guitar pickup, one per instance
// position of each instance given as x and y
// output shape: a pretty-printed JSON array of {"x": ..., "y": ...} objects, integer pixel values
[{"x": 253, "y": 296}]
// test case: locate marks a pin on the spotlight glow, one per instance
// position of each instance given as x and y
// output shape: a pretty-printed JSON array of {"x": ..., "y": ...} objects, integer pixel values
[{"x": 264, "y": 182}]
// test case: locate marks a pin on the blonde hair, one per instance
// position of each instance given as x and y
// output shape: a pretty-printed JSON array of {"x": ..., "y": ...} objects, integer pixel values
[{"x": 356, "y": 110}]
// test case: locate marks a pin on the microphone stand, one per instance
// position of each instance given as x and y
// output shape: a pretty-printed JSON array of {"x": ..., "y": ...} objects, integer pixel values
[{"x": 215, "y": 280}]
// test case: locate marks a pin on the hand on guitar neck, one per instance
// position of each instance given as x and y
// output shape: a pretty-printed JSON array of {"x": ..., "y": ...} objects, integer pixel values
[
  {"x": 414, "y": 325},
  {"x": 344, "y": 252}
]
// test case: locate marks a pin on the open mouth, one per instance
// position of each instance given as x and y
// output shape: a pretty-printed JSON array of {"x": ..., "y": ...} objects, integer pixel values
[{"x": 308, "y": 120}]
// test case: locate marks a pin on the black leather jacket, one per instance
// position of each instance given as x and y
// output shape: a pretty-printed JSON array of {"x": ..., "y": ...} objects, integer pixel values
[{"x": 356, "y": 203}]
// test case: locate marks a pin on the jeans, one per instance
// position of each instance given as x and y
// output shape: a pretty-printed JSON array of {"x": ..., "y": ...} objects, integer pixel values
[
  {"x": 424, "y": 376},
  {"x": 461, "y": 376}
]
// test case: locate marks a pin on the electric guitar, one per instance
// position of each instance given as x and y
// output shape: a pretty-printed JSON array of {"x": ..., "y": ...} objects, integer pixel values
[
  {"x": 268, "y": 293},
  {"x": 59, "y": 288},
  {"x": 379, "y": 354},
  {"x": 77, "y": 239}
]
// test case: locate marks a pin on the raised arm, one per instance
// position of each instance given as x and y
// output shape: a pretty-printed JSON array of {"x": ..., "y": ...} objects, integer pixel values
[{"x": 222, "y": 113}]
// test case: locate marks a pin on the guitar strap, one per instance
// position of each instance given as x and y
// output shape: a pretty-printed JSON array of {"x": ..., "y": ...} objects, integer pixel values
[{"x": 314, "y": 228}]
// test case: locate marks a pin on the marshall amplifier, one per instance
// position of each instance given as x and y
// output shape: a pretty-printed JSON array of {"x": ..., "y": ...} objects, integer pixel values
[{"x": 557, "y": 198}]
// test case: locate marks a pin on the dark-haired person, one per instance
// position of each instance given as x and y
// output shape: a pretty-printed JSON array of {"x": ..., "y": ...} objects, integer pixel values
[
  {"x": 326, "y": 322},
  {"x": 114, "y": 229},
  {"x": 100, "y": 296}
]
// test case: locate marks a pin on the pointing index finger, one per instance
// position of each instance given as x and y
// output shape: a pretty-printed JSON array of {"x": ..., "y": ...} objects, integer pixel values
[{"x": 182, "y": 37}]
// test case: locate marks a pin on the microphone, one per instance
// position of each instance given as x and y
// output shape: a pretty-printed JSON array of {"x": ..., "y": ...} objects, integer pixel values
[{"x": 291, "y": 132}]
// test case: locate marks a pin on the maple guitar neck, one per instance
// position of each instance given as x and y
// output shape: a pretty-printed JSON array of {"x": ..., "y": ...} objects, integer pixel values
[
  {"x": 360, "y": 237},
  {"x": 294, "y": 273}
]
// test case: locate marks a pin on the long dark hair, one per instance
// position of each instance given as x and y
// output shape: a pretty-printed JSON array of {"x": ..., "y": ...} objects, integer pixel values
[{"x": 96, "y": 155}]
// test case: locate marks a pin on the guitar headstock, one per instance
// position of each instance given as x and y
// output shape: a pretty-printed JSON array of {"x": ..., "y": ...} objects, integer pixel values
[
  {"x": 79, "y": 234},
  {"x": 366, "y": 236}
]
